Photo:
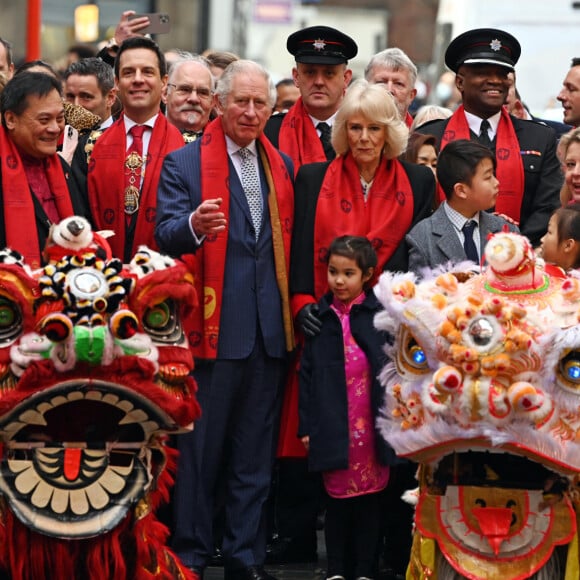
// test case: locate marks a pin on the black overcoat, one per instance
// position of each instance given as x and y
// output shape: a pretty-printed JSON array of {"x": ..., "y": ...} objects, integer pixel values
[{"x": 323, "y": 411}]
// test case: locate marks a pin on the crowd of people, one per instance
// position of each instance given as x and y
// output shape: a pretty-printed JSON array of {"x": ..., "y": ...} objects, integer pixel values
[{"x": 293, "y": 198}]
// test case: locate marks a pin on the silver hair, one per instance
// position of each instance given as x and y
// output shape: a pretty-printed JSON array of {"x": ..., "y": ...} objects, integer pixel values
[
  {"x": 184, "y": 57},
  {"x": 237, "y": 67},
  {"x": 395, "y": 59},
  {"x": 429, "y": 113}
]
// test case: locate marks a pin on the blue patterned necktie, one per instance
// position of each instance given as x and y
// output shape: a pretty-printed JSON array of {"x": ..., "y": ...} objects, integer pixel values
[
  {"x": 252, "y": 188},
  {"x": 468, "y": 242}
]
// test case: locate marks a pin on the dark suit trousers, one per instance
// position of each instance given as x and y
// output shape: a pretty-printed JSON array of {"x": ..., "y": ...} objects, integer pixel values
[{"x": 234, "y": 440}]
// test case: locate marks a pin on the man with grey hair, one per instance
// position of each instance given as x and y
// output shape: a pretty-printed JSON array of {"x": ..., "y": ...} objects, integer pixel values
[
  {"x": 189, "y": 95},
  {"x": 238, "y": 221},
  {"x": 393, "y": 69}
]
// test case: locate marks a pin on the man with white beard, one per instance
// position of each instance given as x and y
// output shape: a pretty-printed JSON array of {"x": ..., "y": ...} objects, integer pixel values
[{"x": 189, "y": 96}]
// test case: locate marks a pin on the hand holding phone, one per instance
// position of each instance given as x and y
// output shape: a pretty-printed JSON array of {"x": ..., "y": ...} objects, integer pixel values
[
  {"x": 129, "y": 26},
  {"x": 159, "y": 22}
]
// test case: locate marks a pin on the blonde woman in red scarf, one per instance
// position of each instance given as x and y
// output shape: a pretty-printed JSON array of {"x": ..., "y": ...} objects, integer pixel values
[{"x": 366, "y": 191}]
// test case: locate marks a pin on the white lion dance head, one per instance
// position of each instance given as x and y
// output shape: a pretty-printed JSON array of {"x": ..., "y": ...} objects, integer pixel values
[{"x": 483, "y": 391}]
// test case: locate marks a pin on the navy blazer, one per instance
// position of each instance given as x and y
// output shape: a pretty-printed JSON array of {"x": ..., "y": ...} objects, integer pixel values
[
  {"x": 323, "y": 405},
  {"x": 251, "y": 301},
  {"x": 542, "y": 175},
  {"x": 434, "y": 240}
]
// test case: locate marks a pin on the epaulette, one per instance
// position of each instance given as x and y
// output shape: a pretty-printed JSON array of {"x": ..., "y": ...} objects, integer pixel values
[{"x": 191, "y": 136}]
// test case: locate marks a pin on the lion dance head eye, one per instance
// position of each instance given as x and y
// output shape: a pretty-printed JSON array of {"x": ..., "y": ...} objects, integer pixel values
[
  {"x": 417, "y": 356},
  {"x": 570, "y": 368},
  {"x": 411, "y": 356},
  {"x": 157, "y": 316},
  {"x": 10, "y": 320},
  {"x": 414, "y": 355},
  {"x": 7, "y": 313}
]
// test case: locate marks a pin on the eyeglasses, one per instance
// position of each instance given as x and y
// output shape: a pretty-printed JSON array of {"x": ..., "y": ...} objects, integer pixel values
[{"x": 186, "y": 90}]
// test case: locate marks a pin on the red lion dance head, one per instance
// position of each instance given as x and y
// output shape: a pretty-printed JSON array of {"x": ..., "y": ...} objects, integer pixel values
[{"x": 94, "y": 373}]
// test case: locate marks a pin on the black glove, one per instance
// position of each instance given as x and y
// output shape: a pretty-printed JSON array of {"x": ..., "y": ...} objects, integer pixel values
[{"x": 308, "y": 320}]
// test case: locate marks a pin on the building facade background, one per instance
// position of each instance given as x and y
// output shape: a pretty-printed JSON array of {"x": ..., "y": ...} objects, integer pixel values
[{"x": 255, "y": 29}]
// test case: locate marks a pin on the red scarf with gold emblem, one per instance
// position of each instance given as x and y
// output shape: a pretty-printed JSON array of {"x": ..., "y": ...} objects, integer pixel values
[
  {"x": 18, "y": 204},
  {"x": 211, "y": 257},
  {"x": 106, "y": 182},
  {"x": 298, "y": 137},
  {"x": 510, "y": 169},
  {"x": 384, "y": 218}
]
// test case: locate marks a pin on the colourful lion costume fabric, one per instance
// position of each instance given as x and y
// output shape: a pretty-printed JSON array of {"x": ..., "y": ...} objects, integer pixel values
[
  {"x": 483, "y": 391},
  {"x": 94, "y": 374}
]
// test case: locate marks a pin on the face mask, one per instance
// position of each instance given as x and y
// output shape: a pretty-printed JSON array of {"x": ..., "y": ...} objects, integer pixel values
[{"x": 443, "y": 92}]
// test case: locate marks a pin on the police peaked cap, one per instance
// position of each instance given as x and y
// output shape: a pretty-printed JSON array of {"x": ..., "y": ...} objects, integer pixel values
[
  {"x": 483, "y": 46},
  {"x": 321, "y": 45}
]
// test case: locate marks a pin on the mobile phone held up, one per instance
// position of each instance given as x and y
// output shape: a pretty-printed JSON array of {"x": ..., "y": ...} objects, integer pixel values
[{"x": 159, "y": 22}]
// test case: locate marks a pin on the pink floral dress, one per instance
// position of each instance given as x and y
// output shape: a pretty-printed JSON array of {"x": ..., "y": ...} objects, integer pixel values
[{"x": 364, "y": 473}]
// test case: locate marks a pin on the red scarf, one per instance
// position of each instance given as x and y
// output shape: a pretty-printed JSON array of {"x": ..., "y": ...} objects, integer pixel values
[
  {"x": 510, "y": 169},
  {"x": 384, "y": 218},
  {"x": 408, "y": 120},
  {"x": 211, "y": 257},
  {"x": 19, "y": 215},
  {"x": 106, "y": 182},
  {"x": 298, "y": 137}
]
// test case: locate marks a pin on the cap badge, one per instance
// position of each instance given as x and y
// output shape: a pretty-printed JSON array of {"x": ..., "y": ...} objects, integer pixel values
[
  {"x": 495, "y": 44},
  {"x": 319, "y": 44}
]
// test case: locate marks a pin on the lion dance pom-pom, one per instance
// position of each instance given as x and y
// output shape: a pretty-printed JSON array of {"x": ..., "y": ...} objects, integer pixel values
[
  {"x": 483, "y": 391},
  {"x": 94, "y": 373}
]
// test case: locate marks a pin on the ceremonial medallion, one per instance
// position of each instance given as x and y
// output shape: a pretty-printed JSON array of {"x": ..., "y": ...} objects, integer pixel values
[
  {"x": 134, "y": 162},
  {"x": 131, "y": 200},
  {"x": 133, "y": 168}
]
